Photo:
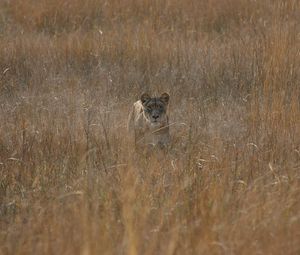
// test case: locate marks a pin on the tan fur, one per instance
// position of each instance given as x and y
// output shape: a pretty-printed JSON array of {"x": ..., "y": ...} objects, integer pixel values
[{"x": 144, "y": 130}]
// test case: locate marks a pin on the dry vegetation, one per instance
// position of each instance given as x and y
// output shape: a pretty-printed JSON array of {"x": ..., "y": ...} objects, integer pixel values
[{"x": 71, "y": 184}]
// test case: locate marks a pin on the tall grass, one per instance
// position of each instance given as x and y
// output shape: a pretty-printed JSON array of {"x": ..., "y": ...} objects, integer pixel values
[{"x": 71, "y": 183}]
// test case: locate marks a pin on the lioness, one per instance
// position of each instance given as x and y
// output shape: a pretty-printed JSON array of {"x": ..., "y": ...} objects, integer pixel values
[{"x": 148, "y": 121}]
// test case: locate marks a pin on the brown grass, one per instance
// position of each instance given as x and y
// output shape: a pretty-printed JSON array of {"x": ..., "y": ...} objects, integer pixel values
[{"x": 71, "y": 184}]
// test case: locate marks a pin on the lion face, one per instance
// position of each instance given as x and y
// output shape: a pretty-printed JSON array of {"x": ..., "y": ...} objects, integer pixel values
[{"x": 155, "y": 108}]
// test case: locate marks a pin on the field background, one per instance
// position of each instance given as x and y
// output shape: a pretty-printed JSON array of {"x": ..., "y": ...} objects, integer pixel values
[{"x": 70, "y": 182}]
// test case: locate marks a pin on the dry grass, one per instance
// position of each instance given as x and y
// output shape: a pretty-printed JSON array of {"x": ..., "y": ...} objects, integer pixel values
[{"x": 71, "y": 184}]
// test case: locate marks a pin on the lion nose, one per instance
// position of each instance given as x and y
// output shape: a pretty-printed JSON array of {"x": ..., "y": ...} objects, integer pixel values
[{"x": 155, "y": 116}]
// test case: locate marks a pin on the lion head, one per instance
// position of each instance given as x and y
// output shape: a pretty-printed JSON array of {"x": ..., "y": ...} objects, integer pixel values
[{"x": 155, "y": 108}]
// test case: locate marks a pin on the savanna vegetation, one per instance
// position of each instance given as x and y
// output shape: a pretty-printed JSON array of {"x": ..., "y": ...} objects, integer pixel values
[{"x": 70, "y": 182}]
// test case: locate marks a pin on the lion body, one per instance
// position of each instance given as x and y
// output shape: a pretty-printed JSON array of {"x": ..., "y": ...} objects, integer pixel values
[{"x": 148, "y": 122}]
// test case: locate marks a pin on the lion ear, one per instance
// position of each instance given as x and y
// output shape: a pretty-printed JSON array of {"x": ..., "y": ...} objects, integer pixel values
[
  {"x": 145, "y": 97},
  {"x": 165, "y": 98}
]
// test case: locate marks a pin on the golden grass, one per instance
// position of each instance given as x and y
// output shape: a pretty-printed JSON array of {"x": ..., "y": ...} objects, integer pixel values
[{"x": 71, "y": 184}]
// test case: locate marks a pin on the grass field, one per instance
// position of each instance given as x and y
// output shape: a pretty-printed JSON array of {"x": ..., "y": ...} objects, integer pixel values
[{"x": 70, "y": 182}]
